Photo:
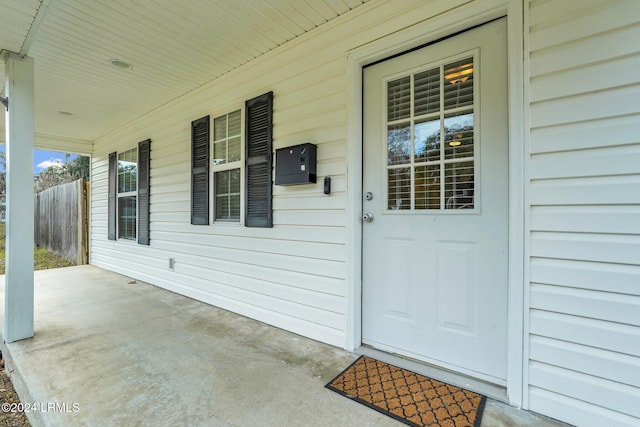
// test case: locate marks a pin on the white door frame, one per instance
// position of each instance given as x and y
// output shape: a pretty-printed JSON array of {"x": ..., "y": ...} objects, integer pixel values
[{"x": 459, "y": 19}]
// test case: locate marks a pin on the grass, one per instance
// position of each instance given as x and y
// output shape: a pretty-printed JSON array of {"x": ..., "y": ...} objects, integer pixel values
[{"x": 43, "y": 259}]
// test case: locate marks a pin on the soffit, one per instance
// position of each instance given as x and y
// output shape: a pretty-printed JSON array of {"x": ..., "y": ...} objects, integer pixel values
[{"x": 173, "y": 47}]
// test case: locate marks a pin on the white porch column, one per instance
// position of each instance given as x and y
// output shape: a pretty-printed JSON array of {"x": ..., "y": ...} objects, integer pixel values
[{"x": 19, "y": 89}]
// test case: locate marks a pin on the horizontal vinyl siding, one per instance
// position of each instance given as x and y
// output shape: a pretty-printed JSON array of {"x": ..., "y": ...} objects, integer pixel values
[
  {"x": 293, "y": 275},
  {"x": 584, "y": 293}
]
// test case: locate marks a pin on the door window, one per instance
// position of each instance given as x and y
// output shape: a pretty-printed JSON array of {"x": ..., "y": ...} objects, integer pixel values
[{"x": 430, "y": 131}]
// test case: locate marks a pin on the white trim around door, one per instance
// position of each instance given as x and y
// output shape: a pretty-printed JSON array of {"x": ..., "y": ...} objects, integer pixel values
[{"x": 455, "y": 21}]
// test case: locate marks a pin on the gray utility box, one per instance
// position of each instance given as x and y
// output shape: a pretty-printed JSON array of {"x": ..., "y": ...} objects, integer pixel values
[{"x": 296, "y": 165}]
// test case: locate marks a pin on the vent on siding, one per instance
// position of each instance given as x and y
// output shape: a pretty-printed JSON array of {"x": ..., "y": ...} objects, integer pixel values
[
  {"x": 259, "y": 123},
  {"x": 200, "y": 171}
]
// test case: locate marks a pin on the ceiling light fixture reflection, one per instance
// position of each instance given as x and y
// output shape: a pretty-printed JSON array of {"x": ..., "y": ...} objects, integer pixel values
[
  {"x": 459, "y": 74},
  {"x": 454, "y": 143}
]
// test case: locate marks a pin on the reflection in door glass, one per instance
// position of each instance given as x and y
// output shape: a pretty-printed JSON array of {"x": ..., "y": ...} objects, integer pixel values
[
  {"x": 398, "y": 144},
  {"x": 458, "y": 136},
  {"x": 427, "y": 183},
  {"x": 458, "y": 178},
  {"x": 427, "y": 140},
  {"x": 458, "y": 84},
  {"x": 399, "y": 189}
]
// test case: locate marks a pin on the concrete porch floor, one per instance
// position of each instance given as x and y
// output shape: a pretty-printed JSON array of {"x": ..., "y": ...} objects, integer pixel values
[{"x": 137, "y": 355}]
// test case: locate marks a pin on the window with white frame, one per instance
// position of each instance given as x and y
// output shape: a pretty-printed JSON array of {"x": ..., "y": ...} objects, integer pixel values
[
  {"x": 127, "y": 193},
  {"x": 241, "y": 165},
  {"x": 227, "y": 166}
]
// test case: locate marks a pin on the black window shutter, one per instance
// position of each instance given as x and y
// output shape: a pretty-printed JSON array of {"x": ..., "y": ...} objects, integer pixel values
[
  {"x": 112, "y": 189},
  {"x": 259, "y": 142},
  {"x": 144, "y": 172},
  {"x": 200, "y": 171}
]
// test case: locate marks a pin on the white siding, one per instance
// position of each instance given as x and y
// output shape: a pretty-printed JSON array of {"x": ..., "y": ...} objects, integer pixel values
[
  {"x": 584, "y": 214},
  {"x": 293, "y": 275}
]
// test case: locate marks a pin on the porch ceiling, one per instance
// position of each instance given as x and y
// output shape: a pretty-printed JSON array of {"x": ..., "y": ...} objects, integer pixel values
[{"x": 172, "y": 46}]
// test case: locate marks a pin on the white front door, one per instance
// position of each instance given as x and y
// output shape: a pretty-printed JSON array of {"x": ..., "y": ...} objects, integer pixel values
[{"x": 435, "y": 185}]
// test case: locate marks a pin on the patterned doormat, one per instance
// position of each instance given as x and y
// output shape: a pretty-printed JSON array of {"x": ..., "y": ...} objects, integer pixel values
[{"x": 414, "y": 399}]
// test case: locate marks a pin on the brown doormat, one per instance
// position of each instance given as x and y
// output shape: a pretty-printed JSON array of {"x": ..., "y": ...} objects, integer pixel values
[{"x": 408, "y": 397}]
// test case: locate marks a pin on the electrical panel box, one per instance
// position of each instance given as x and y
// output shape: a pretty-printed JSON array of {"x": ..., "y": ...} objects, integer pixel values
[{"x": 296, "y": 165}]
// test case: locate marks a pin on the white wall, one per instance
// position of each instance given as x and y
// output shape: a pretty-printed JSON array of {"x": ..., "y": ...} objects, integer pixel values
[
  {"x": 584, "y": 294},
  {"x": 291, "y": 276}
]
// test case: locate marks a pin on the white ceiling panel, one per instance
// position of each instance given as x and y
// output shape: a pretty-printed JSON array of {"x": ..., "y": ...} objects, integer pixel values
[
  {"x": 16, "y": 18},
  {"x": 172, "y": 47}
]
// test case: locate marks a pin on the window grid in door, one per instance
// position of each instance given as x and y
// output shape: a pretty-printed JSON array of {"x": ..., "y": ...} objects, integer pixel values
[{"x": 431, "y": 138}]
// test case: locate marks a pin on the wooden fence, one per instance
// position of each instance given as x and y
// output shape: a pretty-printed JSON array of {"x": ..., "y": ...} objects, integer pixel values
[
  {"x": 61, "y": 221},
  {"x": 3, "y": 207}
]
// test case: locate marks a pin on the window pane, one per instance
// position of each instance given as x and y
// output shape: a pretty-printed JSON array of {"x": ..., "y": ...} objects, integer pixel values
[
  {"x": 458, "y": 136},
  {"x": 222, "y": 207},
  {"x": 227, "y": 197},
  {"x": 127, "y": 217},
  {"x": 399, "y": 183},
  {"x": 220, "y": 128},
  {"x": 459, "y": 185},
  {"x": 220, "y": 152},
  {"x": 427, "y": 187},
  {"x": 226, "y": 141},
  {"x": 234, "y": 124},
  {"x": 234, "y": 149},
  {"x": 458, "y": 84},
  {"x": 426, "y": 136},
  {"x": 234, "y": 207},
  {"x": 398, "y": 144},
  {"x": 222, "y": 182},
  {"x": 426, "y": 92},
  {"x": 234, "y": 181},
  {"x": 127, "y": 171},
  {"x": 399, "y": 99}
]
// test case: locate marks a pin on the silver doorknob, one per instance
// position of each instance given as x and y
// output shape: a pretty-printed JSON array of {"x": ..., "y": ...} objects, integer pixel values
[{"x": 367, "y": 217}]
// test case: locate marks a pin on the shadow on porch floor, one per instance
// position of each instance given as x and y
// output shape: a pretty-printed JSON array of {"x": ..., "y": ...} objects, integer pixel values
[{"x": 134, "y": 354}]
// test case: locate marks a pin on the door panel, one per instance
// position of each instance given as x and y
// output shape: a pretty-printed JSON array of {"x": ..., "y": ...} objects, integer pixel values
[{"x": 435, "y": 161}]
